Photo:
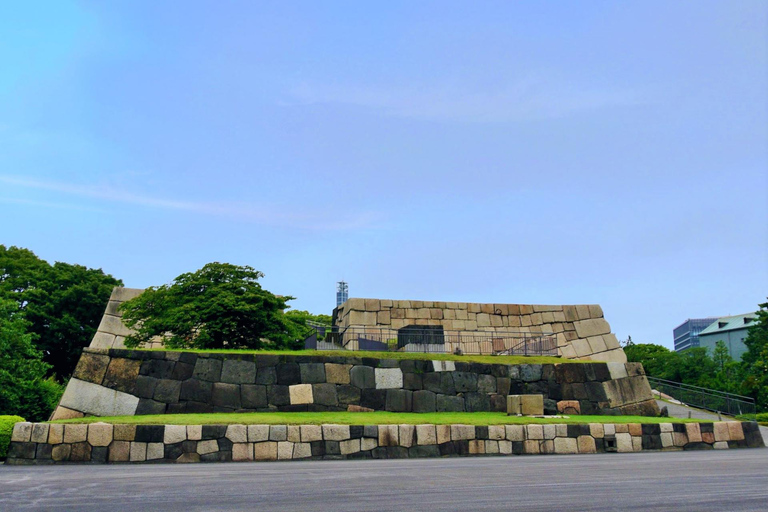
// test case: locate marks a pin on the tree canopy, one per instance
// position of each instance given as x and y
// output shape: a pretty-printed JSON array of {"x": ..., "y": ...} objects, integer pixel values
[
  {"x": 756, "y": 358},
  {"x": 63, "y": 303},
  {"x": 219, "y": 306}
]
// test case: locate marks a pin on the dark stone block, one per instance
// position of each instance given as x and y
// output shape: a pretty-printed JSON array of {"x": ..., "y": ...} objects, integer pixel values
[
  {"x": 91, "y": 367},
  {"x": 214, "y": 432},
  {"x": 486, "y": 384},
  {"x": 578, "y": 430},
  {"x": 238, "y": 371},
  {"x": 332, "y": 448},
  {"x": 301, "y": 408},
  {"x": 753, "y": 437},
  {"x": 348, "y": 394},
  {"x": 439, "y": 382},
  {"x": 530, "y": 372},
  {"x": 312, "y": 373},
  {"x": 517, "y": 387},
  {"x": 399, "y": 400},
  {"x": 578, "y": 391},
  {"x": 415, "y": 366},
  {"x": 121, "y": 375},
  {"x": 597, "y": 372},
  {"x": 477, "y": 402},
  {"x": 447, "y": 449},
  {"x": 599, "y": 445},
  {"x": 167, "y": 391},
  {"x": 325, "y": 394},
  {"x": 278, "y": 395},
  {"x": 288, "y": 374},
  {"x": 587, "y": 408},
  {"x": 197, "y": 390},
  {"x": 145, "y": 386},
  {"x": 570, "y": 373},
  {"x": 356, "y": 431},
  {"x": 208, "y": 369},
  {"x": 318, "y": 448},
  {"x": 379, "y": 452},
  {"x": 464, "y": 381},
  {"x": 424, "y": 401},
  {"x": 429, "y": 450},
  {"x": 554, "y": 390},
  {"x": 448, "y": 403},
  {"x": 253, "y": 396},
  {"x": 81, "y": 452},
  {"x": 176, "y": 408},
  {"x": 199, "y": 407},
  {"x": 99, "y": 454},
  {"x": 157, "y": 368},
  {"x": 500, "y": 371},
  {"x": 226, "y": 395},
  {"x": 742, "y": 443},
  {"x": 548, "y": 372},
  {"x": 371, "y": 431},
  {"x": 480, "y": 368},
  {"x": 149, "y": 433},
  {"x": 375, "y": 399},
  {"x": 518, "y": 448},
  {"x": 707, "y": 427},
  {"x": 678, "y": 427},
  {"x": 595, "y": 391},
  {"x": 225, "y": 445},
  {"x": 651, "y": 441},
  {"x": 462, "y": 366},
  {"x": 389, "y": 363},
  {"x": 652, "y": 429},
  {"x": 152, "y": 355},
  {"x": 502, "y": 385},
  {"x": 461, "y": 447},
  {"x": 550, "y": 406},
  {"x": 188, "y": 358},
  {"x": 216, "y": 457},
  {"x": 362, "y": 377},
  {"x": 43, "y": 451},
  {"x": 698, "y": 446},
  {"x": 397, "y": 452},
  {"x": 412, "y": 381},
  {"x": 263, "y": 360},
  {"x": 266, "y": 376},
  {"x": 174, "y": 451},
  {"x": 19, "y": 450},
  {"x": 147, "y": 406},
  {"x": 481, "y": 432},
  {"x": 183, "y": 371}
]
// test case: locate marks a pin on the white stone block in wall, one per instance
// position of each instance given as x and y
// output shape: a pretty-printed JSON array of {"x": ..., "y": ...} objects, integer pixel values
[
  {"x": 155, "y": 451},
  {"x": 237, "y": 433},
  {"x": 175, "y": 434},
  {"x": 444, "y": 366},
  {"x": 389, "y": 378},
  {"x": 257, "y": 433},
  {"x": 22, "y": 432},
  {"x": 97, "y": 400},
  {"x": 617, "y": 370}
]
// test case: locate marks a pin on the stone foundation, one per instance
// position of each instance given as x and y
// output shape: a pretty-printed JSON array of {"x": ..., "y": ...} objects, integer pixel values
[
  {"x": 117, "y": 382},
  {"x": 42, "y": 443},
  {"x": 581, "y": 331}
]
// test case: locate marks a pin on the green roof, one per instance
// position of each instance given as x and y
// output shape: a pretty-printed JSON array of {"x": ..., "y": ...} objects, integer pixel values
[{"x": 730, "y": 323}]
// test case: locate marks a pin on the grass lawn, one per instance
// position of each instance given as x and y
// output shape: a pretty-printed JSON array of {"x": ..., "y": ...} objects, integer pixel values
[
  {"x": 363, "y": 418},
  {"x": 390, "y": 355}
]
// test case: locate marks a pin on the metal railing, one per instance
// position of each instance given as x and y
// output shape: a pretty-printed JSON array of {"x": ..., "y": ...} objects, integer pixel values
[
  {"x": 431, "y": 340},
  {"x": 703, "y": 398}
]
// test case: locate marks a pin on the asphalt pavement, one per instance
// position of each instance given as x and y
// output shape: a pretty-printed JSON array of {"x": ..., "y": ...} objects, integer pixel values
[{"x": 732, "y": 480}]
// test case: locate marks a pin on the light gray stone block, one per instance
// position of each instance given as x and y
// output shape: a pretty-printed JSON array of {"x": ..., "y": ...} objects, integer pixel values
[
  {"x": 335, "y": 432},
  {"x": 97, "y": 400},
  {"x": 175, "y": 434},
  {"x": 155, "y": 451},
  {"x": 40, "y": 432},
  {"x": 258, "y": 433},
  {"x": 237, "y": 433},
  {"x": 389, "y": 378},
  {"x": 311, "y": 433},
  {"x": 100, "y": 434},
  {"x": 22, "y": 432},
  {"x": 617, "y": 370},
  {"x": 444, "y": 366},
  {"x": 278, "y": 432},
  {"x": 113, "y": 325}
]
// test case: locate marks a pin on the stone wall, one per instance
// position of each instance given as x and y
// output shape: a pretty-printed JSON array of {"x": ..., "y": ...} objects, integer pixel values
[
  {"x": 581, "y": 331},
  {"x": 42, "y": 443},
  {"x": 109, "y": 382},
  {"x": 111, "y": 332}
]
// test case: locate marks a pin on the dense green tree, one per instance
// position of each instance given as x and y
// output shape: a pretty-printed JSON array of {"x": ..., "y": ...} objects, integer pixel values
[
  {"x": 656, "y": 359},
  {"x": 63, "y": 303},
  {"x": 219, "y": 306},
  {"x": 755, "y": 360},
  {"x": 24, "y": 389}
]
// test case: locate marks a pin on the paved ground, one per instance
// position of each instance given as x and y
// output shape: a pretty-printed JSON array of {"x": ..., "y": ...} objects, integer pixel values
[{"x": 732, "y": 480}]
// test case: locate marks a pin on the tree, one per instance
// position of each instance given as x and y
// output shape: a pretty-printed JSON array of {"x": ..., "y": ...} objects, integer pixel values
[
  {"x": 755, "y": 359},
  {"x": 24, "y": 390},
  {"x": 656, "y": 359},
  {"x": 219, "y": 306},
  {"x": 63, "y": 303}
]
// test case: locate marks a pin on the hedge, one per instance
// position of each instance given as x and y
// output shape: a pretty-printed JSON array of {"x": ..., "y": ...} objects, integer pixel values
[{"x": 6, "y": 429}]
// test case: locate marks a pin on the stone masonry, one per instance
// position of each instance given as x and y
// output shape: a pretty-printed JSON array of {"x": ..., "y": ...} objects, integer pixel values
[
  {"x": 109, "y": 382},
  {"x": 44, "y": 443},
  {"x": 581, "y": 331}
]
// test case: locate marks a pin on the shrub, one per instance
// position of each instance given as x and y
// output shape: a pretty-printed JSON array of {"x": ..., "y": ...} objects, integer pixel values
[{"x": 6, "y": 429}]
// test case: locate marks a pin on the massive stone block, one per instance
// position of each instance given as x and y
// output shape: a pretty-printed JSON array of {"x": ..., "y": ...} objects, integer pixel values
[{"x": 97, "y": 400}]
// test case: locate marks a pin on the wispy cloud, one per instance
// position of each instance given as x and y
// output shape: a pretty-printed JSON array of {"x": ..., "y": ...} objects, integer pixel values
[
  {"x": 275, "y": 216},
  {"x": 527, "y": 99}
]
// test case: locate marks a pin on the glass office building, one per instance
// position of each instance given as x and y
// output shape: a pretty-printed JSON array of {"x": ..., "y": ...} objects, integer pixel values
[{"x": 687, "y": 334}]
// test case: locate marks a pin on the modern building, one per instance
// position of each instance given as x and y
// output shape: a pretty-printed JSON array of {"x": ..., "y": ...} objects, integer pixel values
[
  {"x": 342, "y": 293},
  {"x": 687, "y": 334},
  {"x": 731, "y": 330}
]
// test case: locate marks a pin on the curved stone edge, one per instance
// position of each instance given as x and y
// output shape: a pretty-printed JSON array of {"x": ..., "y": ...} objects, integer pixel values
[{"x": 44, "y": 443}]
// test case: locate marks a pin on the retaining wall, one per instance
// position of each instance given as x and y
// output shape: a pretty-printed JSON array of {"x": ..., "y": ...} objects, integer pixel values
[
  {"x": 42, "y": 443},
  {"x": 112, "y": 382},
  {"x": 581, "y": 331}
]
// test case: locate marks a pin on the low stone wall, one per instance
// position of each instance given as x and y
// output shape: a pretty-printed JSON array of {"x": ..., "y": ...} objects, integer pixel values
[
  {"x": 126, "y": 382},
  {"x": 41, "y": 443},
  {"x": 581, "y": 331}
]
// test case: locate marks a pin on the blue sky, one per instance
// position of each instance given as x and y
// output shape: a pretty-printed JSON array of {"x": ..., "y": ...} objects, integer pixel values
[{"x": 515, "y": 152}]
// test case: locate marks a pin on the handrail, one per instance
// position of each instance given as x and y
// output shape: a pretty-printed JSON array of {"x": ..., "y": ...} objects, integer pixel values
[{"x": 704, "y": 398}]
